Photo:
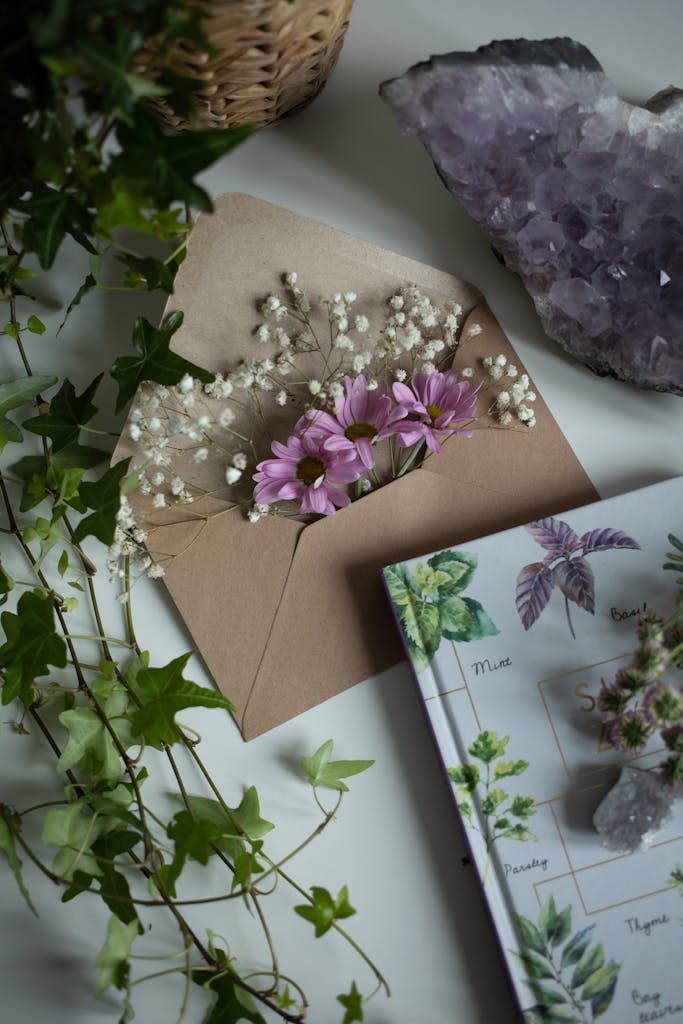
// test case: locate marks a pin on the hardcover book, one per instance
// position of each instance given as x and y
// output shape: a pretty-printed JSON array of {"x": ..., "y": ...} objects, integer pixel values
[{"x": 510, "y": 639}]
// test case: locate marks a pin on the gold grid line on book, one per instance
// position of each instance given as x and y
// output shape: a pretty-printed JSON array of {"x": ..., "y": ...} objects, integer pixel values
[{"x": 458, "y": 689}]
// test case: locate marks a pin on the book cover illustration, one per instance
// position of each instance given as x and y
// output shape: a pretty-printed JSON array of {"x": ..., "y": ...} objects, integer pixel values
[{"x": 510, "y": 638}]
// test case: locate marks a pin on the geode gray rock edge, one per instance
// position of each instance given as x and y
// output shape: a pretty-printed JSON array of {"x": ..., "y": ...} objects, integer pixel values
[
  {"x": 636, "y": 808},
  {"x": 579, "y": 192}
]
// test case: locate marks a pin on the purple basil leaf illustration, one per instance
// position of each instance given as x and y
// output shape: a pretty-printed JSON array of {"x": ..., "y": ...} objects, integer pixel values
[
  {"x": 554, "y": 535},
  {"x": 576, "y": 581},
  {"x": 606, "y": 540},
  {"x": 534, "y": 587}
]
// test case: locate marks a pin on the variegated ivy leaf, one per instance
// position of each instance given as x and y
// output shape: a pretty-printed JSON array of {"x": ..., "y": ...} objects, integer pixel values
[
  {"x": 321, "y": 771},
  {"x": 74, "y": 830},
  {"x": 112, "y": 959}
]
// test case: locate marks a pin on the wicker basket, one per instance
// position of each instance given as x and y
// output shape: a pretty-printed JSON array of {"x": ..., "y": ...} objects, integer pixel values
[{"x": 270, "y": 57}]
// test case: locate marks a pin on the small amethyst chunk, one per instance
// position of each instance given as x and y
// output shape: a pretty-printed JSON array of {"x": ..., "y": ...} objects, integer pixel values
[{"x": 579, "y": 191}]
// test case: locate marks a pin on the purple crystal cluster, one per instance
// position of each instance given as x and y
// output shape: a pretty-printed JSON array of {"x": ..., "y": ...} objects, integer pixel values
[{"x": 579, "y": 191}]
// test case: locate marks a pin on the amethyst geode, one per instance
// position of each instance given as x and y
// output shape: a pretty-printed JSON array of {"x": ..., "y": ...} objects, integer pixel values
[{"x": 578, "y": 191}]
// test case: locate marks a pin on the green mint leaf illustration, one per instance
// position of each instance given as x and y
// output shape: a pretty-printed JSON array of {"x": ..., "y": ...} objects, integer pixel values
[
  {"x": 68, "y": 413},
  {"x": 324, "y": 909},
  {"x": 428, "y": 580},
  {"x": 353, "y": 1005},
  {"x": 155, "y": 362},
  {"x": 464, "y": 619},
  {"x": 31, "y": 647},
  {"x": 323, "y": 772},
  {"x": 459, "y": 567},
  {"x": 164, "y": 692}
]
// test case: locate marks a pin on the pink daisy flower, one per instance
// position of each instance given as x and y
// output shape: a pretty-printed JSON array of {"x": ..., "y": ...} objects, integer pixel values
[
  {"x": 436, "y": 403},
  {"x": 306, "y": 469},
  {"x": 363, "y": 416}
]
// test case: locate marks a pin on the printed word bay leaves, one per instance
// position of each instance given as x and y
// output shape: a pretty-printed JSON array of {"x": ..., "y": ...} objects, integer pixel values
[
  {"x": 163, "y": 692},
  {"x": 156, "y": 362},
  {"x": 581, "y": 979},
  {"x": 429, "y": 606},
  {"x": 325, "y": 909},
  {"x": 323, "y": 772}
]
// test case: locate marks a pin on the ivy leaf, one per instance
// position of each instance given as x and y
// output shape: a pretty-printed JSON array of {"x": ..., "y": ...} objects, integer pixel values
[
  {"x": 324, "y": 910},
  {"x": 248, "y": 814},
  {"x": 91, "y": 742},
  {"x": 53, "y": 215},
  {"x": 164, "y": 692},
  {"x": 156, "y": 362},
  {"x": 7, "y": 844},
  {"x": 112, "y": 959},
  {"x": 353, "y": 1005},
  {"x": 232, "y": 1003},
  {"x": 32, "y": 645},
  {"x": 464, "y": 619},
  {"x": 534, "y": 586},
  {"x": 68, "y": 413},
  {"x": 488, "y": 746},
  {"x": 576, "y": 581},
  {"x": 74, "y": 833},
  {"x": 15, "y": 393},
  {"x": 88, "y": 284},
  {"x": 459, "y": 566},
  {"x": 104, "y": 496},
  {"x": 323, "y": 772},
  {"x": 192, "y": 838}
]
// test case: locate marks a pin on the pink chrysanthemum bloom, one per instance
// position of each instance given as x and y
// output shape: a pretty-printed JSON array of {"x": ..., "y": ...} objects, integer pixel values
[
  {"x": 306, "y": 469},
  {"x": 363, "y": 416},
  {"x": 436, "y": 403}
]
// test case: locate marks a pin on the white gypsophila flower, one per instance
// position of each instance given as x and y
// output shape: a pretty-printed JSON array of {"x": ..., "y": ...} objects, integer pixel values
[
  {"x": 524, "y": 413},
  {"x": 361, "y": 323},
  {"x": 270, "y": 304},
  {"x": 503, "y": 400},
  {"x": 428, "y": 319},
  {"x": 314, "y": 387},
  {"x": 177, "y": 485},
  {"x": 123, "y": 597},
  {"x": 390, "y": 333},
  {"x": 159, "y": 501},
  {"x": 506, "y": 418},
  {"x": 517, "y": 393},
  {"x": 487, "y": 362},
  {"x": 500, "y": 360},
  {"x": 344, "y": 342},
  {"x": 531, "y": 422},
  {"x": 451, "y": 322},
  {"x": 473, "y": 330},
  {"x": 281, "y": 313},
  {"x": 253, "y": 516},
  {"x": 396, "y": 301},
  {"x": 365, "y": 485},
  {"x": 336, "y": 390},
  {"x": 239, "y": 460},
  {"x": 291, "y": 278},
  {"x": 438, "y": 345},
  {"x": 262, "y": 509},
  {"x": 204, "y": 421},
  {"x": 136, "y": 414},
  {"x": 154, "y": 425},
  {"x": 511, "y": 370},
  {"x": 400, "y": 374},
  {"x": 263, "y": 334},
  {"x": 429, "y": 367},
  {"x": 282, "y": 338},
  {"x": 185, "y": 384},
  {"x": 350, "y": 298},
  {"x": 453, "y": 307},
  {"x": 134, "y": 431},
  {"x": 232, "y": 474},
  {"x": 227, "y": 416},
  {"x": 158, "y": 479},
  {"x": 467, "y": 372},
  {"x": 372, "y": 385},
  {"x": 281, "y": 398},
  {"x": 155, "y": 571},
  {"x": 144, "y": 486},
  {"x": 187, "y": 401},
  {"x": 524, "y": 381},
  {"x": 496, "y": 372},
  {"x": 530, "y": 396},
  {"x": 201, "y": 455}
]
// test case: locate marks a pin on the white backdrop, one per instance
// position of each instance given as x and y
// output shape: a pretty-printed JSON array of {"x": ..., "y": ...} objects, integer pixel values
[{"x": 396, "y": 842}]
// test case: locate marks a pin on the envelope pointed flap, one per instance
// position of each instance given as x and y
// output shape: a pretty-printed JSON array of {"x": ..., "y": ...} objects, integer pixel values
[
  {"x": 238, "y": 254},
  {"x": 536, "y": 464},
  {"x": 227, "y": 587}
]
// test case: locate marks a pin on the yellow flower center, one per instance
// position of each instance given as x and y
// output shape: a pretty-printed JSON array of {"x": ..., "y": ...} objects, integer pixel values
[
  {"x": 434, "y": 412},
  {"x": 309, "y": 469},
  {"x": 356, "y": 430}
]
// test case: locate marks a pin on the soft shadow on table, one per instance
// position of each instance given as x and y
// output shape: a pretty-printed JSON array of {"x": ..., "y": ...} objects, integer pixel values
[{"x": 424, "y": 781}]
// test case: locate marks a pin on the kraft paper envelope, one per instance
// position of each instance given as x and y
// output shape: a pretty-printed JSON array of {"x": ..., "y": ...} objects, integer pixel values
[{"x": 286, "y": 614}]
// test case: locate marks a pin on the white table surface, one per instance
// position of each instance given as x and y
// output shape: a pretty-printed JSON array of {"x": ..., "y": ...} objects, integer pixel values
[{"x": 396, "y": 843}]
